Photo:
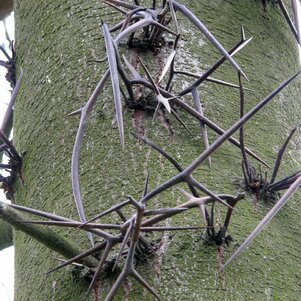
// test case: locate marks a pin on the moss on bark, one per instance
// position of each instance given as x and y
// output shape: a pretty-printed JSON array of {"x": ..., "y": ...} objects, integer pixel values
[
  {"x": 6, "y": 234},
  {"x": 54, "y": 42}
]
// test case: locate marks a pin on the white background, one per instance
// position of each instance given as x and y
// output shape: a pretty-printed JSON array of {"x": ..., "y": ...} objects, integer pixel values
[{"x": 6, "y": 256}]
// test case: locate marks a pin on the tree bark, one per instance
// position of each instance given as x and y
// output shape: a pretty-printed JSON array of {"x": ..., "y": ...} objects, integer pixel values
[
  {"x": 6, "y": 234},
  {"x": 55, "y": 41}
]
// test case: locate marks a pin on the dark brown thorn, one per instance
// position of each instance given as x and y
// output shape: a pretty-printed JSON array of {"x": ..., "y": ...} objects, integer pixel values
[
  {"x": 77, "y": 149},
  {"x": 146, "y": 185},
  {"x": 10, "y": 146},
  {"x": 199, "y": 108},
  {"x": 5, "y": 53},
  {"x": 132, "y": 29},
  {"x": 161, "y": 99},
  {"x": 7, "y": 120},
  {"x": 164, "y": 10},
  {"x": 246, "y": 178},
  {"x": 241, "y": 130},
  {"x": 5, "y": 166},
  {"x": 3, "y": 147},
  {"x": 191, "y": 203},
  {"x": 78, "y": 257},
  {"x": 173, "y": 15},
  {"x": 74, "y": 224},
  {"x": 57, "y": 218},
  {"x": 3, "y": 64},
  {"x": 109, "y": 245},
  {"x": 168, "y": 64},
  {"x": 154, "y": 5},
  {"x": 76, "y": 112},
  {"x": 167, "y": 156},
  {"x": 64, "y": 260},
  {"x": 151, "y": 229},
  {"x": 211, "y": 224},
  {"x": 106, "y": 212},
  {"x": 40, "y": 213},
  {"x": 135, "y": 203},
  {"x": 178, "y": 118},
  {"x": 123, "y": 95},
  {"x": 210, "y": 79},
  {"x": 116, "y": 286},
  {"x": 284, "y": 183},
  {"x": 190, "y": 15},
  {"x": 129, "y": 270},
  {"x": 115, "y": 7},
  {"x": 121, "y": 3},
  {"x": 242, "y": 33},
  {"x": 207, "y": 191},
  {"x": 121, "y": 215},
  {"x": 124, "y": 243},
  {"x": 159, "y": 28},
  {"x": 164, "y": 211},
  {"x": 160, "y": 150},
  {"x": 149, "y": 77},
  {"x": 172, "y": 66},
  {"x": 129, "y": 17},
  {"x": 123, "y": 76},
  {"x": 137, "y": 276},
  {"x": 111, "y": 54},
  {"x": 232, "y": 203},
  {"x": 234, "y": 50},
  {"x": 288, "y": 19},
  {"x": 164, "y": 28},
  {"x": 134, "y": 72},
  {"x": 115, "y": 28},
  {"x": 156, "y": 111},
  {"x": 280, "y": 155},
  {"x": 297, "y": 19},
  {"x": 269, "y": 216}
]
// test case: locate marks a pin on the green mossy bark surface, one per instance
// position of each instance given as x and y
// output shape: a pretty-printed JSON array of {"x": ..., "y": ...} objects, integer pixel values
[
  {"x": 55, "y": 40},
  {"x": 46, "y": 236},
  {"x": 6, "y": 234}
]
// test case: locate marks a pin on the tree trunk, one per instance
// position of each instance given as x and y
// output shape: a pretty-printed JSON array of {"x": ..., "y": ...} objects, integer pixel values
[{"x": 55, "y": 41}]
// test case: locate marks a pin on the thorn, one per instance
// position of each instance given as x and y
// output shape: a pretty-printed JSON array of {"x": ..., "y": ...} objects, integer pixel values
[
  {"x": 146, "y": 185},
  {"x": 192, "y": 17},
  {"x": 269, "y": 216},
  {"x": 111, "y": 54},
  {"x": 186, "y": 194},
  {"x": 76, "y": 112},
  {"x": 167, "y": 65},
  {"x": 280, "y": 155},
  {"x": 161, "y": 99},
  {"x": 242, "y": 33}
]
